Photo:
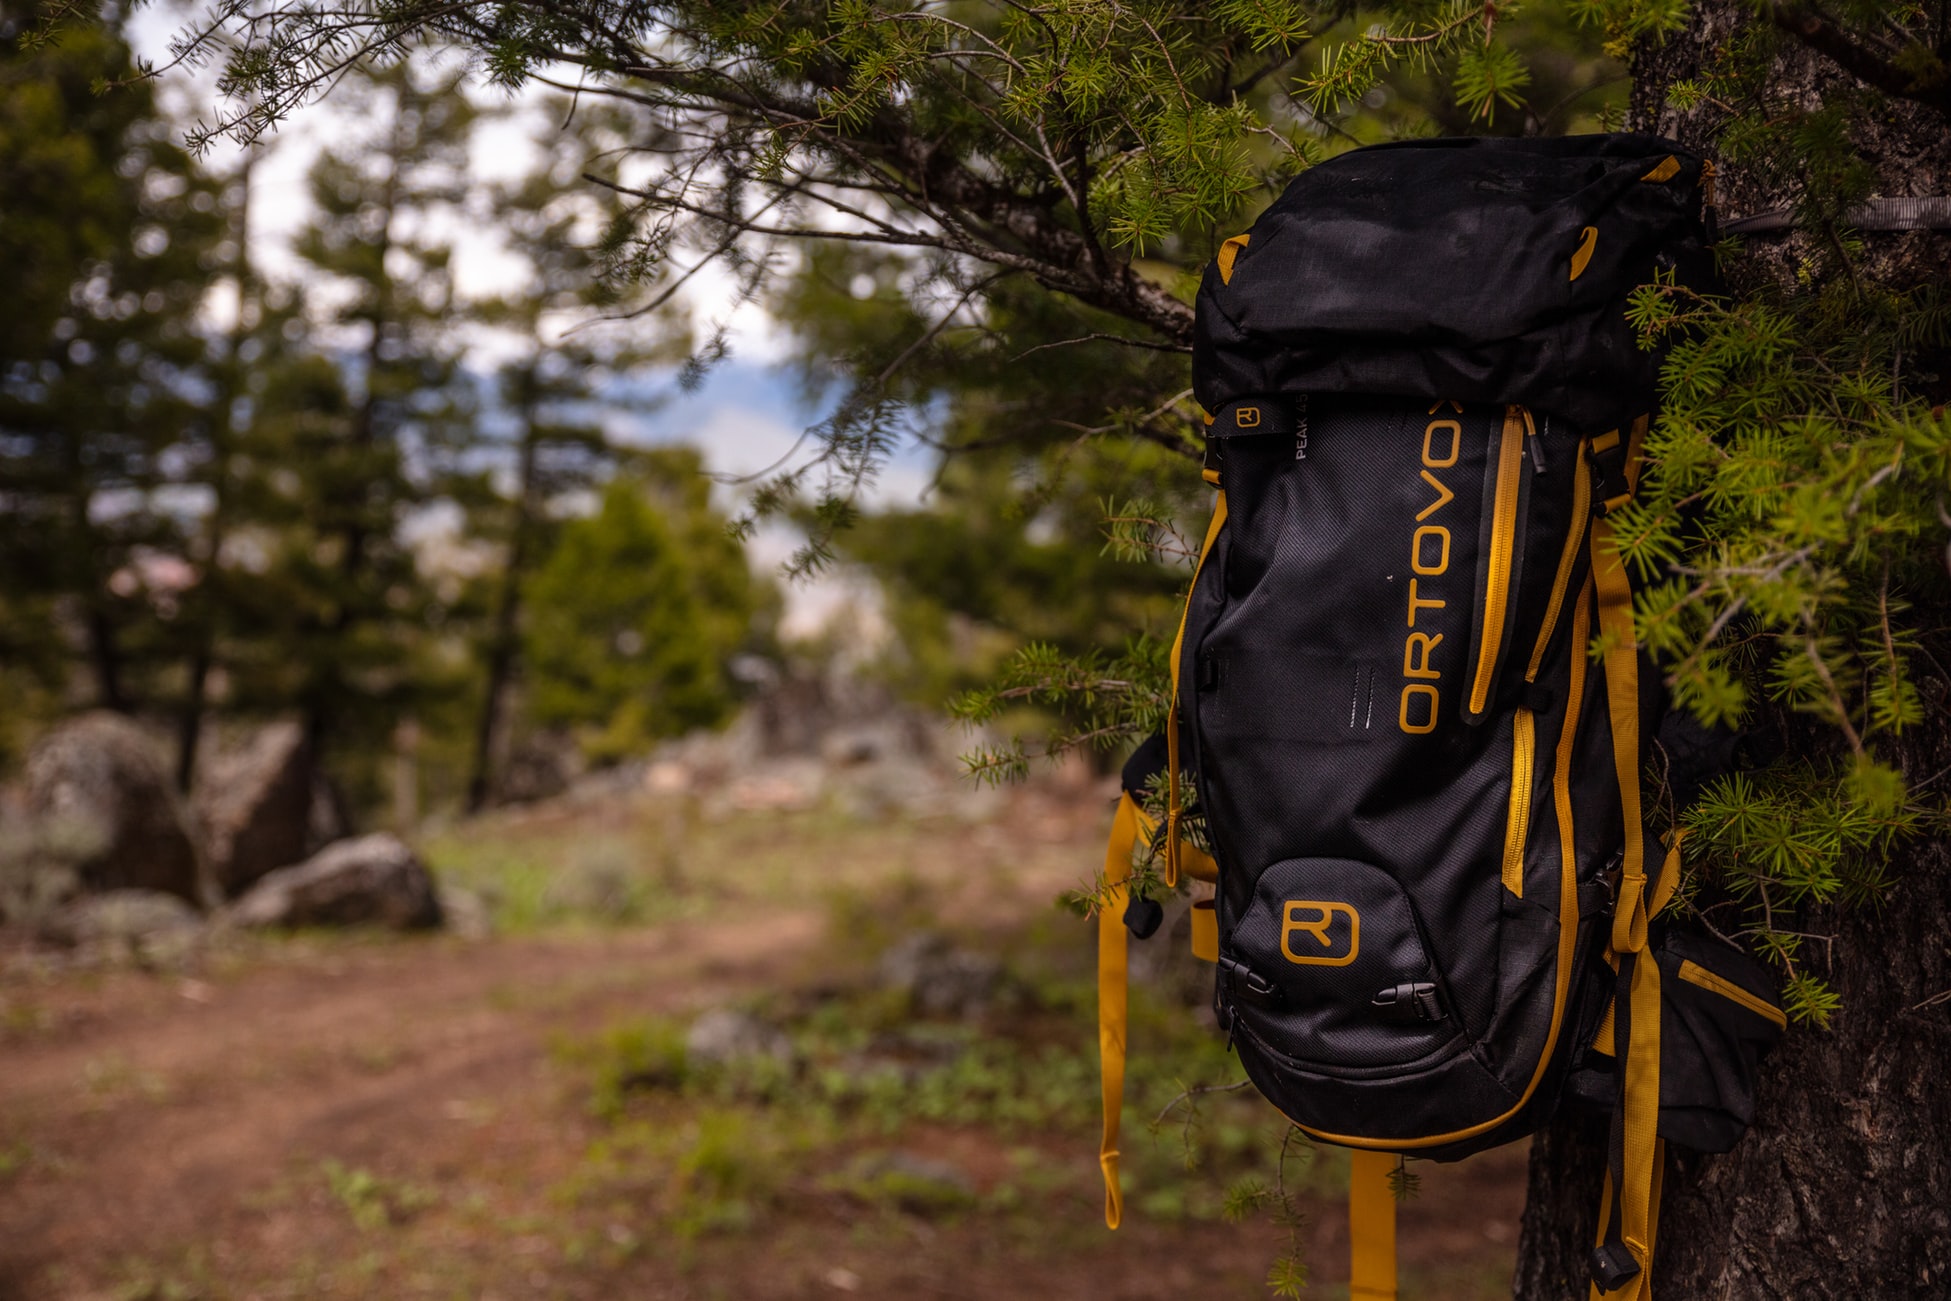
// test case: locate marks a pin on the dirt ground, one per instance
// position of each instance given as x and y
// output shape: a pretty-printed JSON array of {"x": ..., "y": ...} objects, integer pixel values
[{"x": 364, "y": 1116}]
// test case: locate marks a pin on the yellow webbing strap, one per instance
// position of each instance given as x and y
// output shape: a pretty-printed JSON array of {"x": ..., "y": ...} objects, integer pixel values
[
  {"x": 1669, "y": 876},
  {"x": 1622, "y": 703},
  {"x": 1371, "y": 1227},
  {"x": 1638, "y": 1193},
  {"x": 1641, "y": 1101},
  {"x": 1128, "y": 827},
  {"x": 1112, "y": 939},
  {"x": 1172, "y": 807},
  {"x": 1640, "y": 1288}
]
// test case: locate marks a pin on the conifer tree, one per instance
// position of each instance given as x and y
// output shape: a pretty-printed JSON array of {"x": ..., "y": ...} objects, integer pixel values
[
  {"x": 637, "y": 612},
  {"x": 368, "y": 436},
  {"x": 566, "y": 358},
  {"x": 242, "y": 359},
  {"x": 98, "y": 358}
]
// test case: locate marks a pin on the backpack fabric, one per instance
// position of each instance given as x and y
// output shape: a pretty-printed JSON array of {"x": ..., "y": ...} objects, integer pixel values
[{"x": 1435, "y": 873}]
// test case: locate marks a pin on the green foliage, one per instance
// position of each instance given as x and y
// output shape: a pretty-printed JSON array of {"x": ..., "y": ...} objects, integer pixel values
[
  {"x": 1106, "y": 701},
  {"x": 373, "y": 1202},
  {"x": 636, "y": 611}
]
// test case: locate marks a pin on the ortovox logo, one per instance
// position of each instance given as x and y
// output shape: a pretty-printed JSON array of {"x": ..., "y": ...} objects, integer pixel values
[
  {"x": 1429, "y": 557},
  {"x": 1318, "y": 934},
  {"x": 1247, "y": 417}
]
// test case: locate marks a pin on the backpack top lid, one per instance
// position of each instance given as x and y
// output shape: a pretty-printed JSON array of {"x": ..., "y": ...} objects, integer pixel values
[{"x": 1477, "y": 269}]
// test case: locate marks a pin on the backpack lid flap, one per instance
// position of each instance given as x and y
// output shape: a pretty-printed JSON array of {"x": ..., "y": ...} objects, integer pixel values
[{"x": 1479, "y": 269}]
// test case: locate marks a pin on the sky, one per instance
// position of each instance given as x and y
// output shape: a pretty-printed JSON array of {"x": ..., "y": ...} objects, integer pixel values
[{"x": 746, "y": 415}]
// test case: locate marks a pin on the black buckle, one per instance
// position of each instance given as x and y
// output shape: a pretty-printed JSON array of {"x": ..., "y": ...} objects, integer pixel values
[
  {"x": 1609, "y": 487},
  {"x": 1596, "y": 897},
  {"x": 1246, "y": 983},
  {"x": 1409, "y": 1002},
  {"x": 1612, "y": 1266}
]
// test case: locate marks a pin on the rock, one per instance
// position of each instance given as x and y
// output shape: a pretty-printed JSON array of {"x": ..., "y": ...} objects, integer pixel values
[
  {"x": 777, "y": 786},
  {"x": 143, "y": 924},
  {"x": 104, "y": 810},
  {"x": 254, "y": 803},
  {"x": 465, "y": 913},
  {"x": 328, "y": 820},
  {"x": 538, "y": 767},
  {"x": 940, "y": 979},
  {"x": 372, "y": 881},
  {"x": 919, "y": 1185},
  {"x": 723, "y": 1037}
]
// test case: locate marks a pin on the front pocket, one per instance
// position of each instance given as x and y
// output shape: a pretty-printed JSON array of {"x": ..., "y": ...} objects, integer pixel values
[
  {"x": 1500, "y": 559},
  {"x": 1331, "y": 960},
  {"x": 1561, "y": 579}
]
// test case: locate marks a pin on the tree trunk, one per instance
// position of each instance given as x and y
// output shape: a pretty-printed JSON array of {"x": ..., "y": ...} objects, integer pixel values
[
  {"x": 507, "y": 626},
  {"x": 208, "y": 598},
  {"x": 1843, "y": 1188}
]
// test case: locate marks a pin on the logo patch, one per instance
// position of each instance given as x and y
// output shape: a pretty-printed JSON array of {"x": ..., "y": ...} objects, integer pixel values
[{"x": 1318, "y": 933}]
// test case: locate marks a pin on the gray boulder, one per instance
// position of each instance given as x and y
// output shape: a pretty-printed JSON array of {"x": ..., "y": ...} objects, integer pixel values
[
  {"x": 465, "y": 913},
  {"x": 254, "y": 803},
  {"x": 940, "y": 979},
  {"x": 724, "y": 1037},
  {"x": 144, "y": 925},
  {"x": 371, "y": 881},
  {"x": 910, "y": 1182},
  {"x": 105, "y": 812}
]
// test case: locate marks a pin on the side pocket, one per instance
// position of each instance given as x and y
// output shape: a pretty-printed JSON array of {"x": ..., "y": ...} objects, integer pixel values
[{"x": 1720, "y": 1015}]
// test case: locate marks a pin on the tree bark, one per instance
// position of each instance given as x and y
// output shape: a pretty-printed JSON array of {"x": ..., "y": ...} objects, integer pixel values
[{"x": 1843, "y": 1188}]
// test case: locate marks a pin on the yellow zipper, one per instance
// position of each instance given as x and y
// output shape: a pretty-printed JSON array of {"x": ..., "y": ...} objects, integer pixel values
[
  {"x": 1694, "y": 973},
  {"x": 1575, "y": 534},
  {"x": 1517, "y": 826},
  {"x": 1503, "y": 549}
]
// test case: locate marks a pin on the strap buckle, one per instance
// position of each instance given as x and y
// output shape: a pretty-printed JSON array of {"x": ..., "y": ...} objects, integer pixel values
[
  {"x": 1246, "y": 983},
  {"x": 1408, "y": 1003},
  {"x": 1612, "y": 1266},
  {"x": 1610, "y": 489}
]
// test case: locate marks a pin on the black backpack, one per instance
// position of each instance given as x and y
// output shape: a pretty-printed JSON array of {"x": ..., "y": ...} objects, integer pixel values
[{"x": 1418, "y": 791}]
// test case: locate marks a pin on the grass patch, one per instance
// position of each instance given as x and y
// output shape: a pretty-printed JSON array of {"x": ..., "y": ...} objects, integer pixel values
[
  {"x": 866, "y": 1075},
  {"x": 371, "y": 1201}
]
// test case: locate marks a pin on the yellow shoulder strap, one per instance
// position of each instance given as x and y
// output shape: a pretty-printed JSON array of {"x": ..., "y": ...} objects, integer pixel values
[
  {"x": 1371, "y": 1227},
  {"x": 1172, "y": 807},
  {"x": 1112, "y": 940}
]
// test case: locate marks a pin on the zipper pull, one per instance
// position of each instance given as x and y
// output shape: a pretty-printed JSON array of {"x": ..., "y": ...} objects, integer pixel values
[{"x": 1533, "y": 442}]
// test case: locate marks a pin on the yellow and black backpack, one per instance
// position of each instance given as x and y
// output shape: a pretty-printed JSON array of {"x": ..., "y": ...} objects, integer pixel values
[{"x": 1407, "y": 689}]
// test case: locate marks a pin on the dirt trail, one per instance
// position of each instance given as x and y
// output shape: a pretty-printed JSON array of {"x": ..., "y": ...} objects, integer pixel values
[{"x": 151, "y": 1106}]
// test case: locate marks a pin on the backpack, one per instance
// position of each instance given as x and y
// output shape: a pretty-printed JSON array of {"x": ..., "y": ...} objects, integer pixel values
[{"x": 1410, "y": 719}]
